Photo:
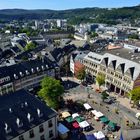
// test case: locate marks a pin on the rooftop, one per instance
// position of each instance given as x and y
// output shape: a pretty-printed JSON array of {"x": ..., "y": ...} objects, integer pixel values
[{"x": 20, "y": 112}]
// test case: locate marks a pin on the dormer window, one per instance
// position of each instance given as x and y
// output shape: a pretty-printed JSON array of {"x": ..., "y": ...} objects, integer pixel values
[
  {"x": 30, "y": 119},
  {"x": 42, "y": 67},
  {"x": 26, "y": 104},
  {"x": 37, "y": 69},
  {"x": 39, "y": 113},
  {"x": 10, "y": 110},
  {"x": 7, "y": 128},
  {"x": 21, "y": 74},
  {"x": 32, "y": 70},
  {"x": 27, "y": 72},
  {"x": 15, "y": 76},
  {"x": 19, "y": 123},
  {"x": 46, "y": 66}
]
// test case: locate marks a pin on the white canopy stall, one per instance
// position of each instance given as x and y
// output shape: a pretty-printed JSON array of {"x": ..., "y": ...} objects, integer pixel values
[
  {"x": 75, "y": 115},
  {"x": 87, "y": 106},
  {"x": 85, "y": 125},
  {"x": 99, "y": 135}
]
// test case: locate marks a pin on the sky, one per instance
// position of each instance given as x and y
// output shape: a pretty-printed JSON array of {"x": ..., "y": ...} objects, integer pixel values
[{"x": 65, "y": 4}]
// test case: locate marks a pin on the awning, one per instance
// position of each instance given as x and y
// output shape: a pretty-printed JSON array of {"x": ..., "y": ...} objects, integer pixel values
[
  {"x": 94, "y": 111},
  {"x": 90, "y": 137},
  {"x": 62, "y": 129},
  {"x": 99, "y": 135},
  {"x": 79, "y": 119},
  {"x": 112, "y": 125},
  {"x": 104, "y": 119},
  {"x": 84, "y": 124},
  {"x": 75, "y": 115},
  {"x": 66, "y": 114},
  {"x": 87, "y": 106},
  {"x": 75, "y": 125},
  {"x": 69, "y": 119},
  {"x": 99, "y": 114}
]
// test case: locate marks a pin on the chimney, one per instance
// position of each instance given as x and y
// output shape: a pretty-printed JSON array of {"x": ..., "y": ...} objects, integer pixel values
[{"x": 42, "y": 67}]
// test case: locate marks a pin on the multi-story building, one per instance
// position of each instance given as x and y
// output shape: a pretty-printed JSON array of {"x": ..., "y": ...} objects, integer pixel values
[
  {"x": 120, "y": 67},
  {"x": 25, "y": 117},
  {"x": 27, "y": 74}
]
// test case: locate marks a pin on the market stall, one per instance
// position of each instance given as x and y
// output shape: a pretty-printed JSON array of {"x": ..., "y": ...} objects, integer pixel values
[
  {"x": 65, "y": 114},
  {"x": 87, "y": 106},
  {"x": 84, "y": 125},
  {"x": 62, "y": 131},
  {"x": 75, "y": 115},
  {"x": 99, "y": 135}
]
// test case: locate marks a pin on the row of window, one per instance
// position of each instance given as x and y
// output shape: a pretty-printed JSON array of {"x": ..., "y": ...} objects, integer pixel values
[{"x": 41, "y": 129}]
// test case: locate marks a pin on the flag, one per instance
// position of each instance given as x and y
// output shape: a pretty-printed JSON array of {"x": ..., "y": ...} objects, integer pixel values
[{"x": 121, "y": 136}]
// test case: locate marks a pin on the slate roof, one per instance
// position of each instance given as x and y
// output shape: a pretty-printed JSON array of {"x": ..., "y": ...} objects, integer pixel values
[
  {"x": 36, "y": 65},
  {"x": 17, "y": 106}
]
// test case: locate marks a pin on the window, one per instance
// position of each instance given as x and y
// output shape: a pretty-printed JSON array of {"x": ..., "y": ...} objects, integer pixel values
[
  {"x": 31, "y": 133},
  {"x": 21, "y": 137},
  {"x": 50, "y": 123},
  {"x": 42, "y": 137},
  {"x": 41, "y": 129},
  {"x": 50, "y": 133}
]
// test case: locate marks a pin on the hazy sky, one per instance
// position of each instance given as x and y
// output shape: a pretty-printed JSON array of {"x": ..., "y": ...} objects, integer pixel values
[{"x": 64, "y": 4}]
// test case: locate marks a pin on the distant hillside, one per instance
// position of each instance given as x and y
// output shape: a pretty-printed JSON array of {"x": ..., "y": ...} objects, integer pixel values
[{"x": 75, "y": 15}]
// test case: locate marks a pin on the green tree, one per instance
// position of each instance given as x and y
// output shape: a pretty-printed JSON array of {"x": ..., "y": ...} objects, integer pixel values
[
  {"x": 81, "y": 74},
  {"x": 30, "y": 46},
  {"x": 100, "y": 79},
  {"x": 133, "y": 36},
  {"x": 134, "y": 95},
  {"x": 51, "y": 91},
  {"x": 93, "y": 34},
  {"x": 104, "y": 95}
]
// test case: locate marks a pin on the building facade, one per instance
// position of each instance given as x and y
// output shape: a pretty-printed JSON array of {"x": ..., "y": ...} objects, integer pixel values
[
  {"x": 121, "y": 75},
  {"x": 25, "y": 117},
  {"x": 26, "y": 74}
]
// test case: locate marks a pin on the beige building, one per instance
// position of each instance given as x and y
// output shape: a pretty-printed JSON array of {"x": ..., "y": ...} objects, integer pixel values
[{"x": 121, "y": 74}]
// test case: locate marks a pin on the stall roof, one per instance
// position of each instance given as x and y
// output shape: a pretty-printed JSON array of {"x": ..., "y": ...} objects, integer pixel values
[
  {"x": 99, "y": 135},
  {"x": 62, "y": 129},
  {"x": 87, "y": 106},
  {"x": 66, "y": 114},
  {"x": 99, "y": 114},
  {"x": 75, "y": 125},
  {"x": 112, "y": 124},
  {"x": 69, "y": 119},
  {"x": 79, "y": 119},
  {"x": 75, "y": 115},
  {"x": 94, "y": 111},
  {"x": 84, "y": 124},
  {"x": 104, "y": 119}
]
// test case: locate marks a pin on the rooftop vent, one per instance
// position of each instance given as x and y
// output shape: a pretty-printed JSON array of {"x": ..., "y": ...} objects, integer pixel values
[
  {"x": 30, "y": 119},
  {"x": 132, "y": 58},
  {"x": 46, "y": 66},
  {"x": 117, "y": 53},
  {"x": 19, "y": 123},
  {"x": 15, "y": 76},
  {"x": 7, "y": 128},
  {"x": 39, "y": 113},
  {"x": 32, "y": 70},
  {"x": 27, "y": 72}
]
